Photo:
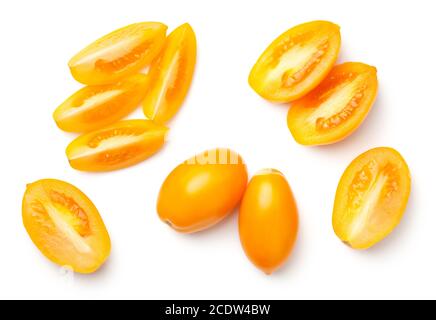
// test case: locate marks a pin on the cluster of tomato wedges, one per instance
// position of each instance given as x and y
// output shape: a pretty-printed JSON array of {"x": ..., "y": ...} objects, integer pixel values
[
  {"x": 328, "y": 103},
  {"x": 112, "y": 70}
]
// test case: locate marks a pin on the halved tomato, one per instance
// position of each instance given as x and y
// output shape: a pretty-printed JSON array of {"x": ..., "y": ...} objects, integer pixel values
[
  {"x": 117, "y": 146},
  {"x": 371, "y": 197},
  {"x": 336, "y": 107},
  {"x": 268, "y": 220},
  {"x": 171, "y": 75},
  {"x": 296, "y": 62},
  {"x": 93, "y": 107},
  {"x": 119, "y": 53},
  {"x": 65, "y": 225}
]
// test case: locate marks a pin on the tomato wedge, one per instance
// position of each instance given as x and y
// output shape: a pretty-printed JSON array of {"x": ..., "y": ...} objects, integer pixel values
[
  {"x": 172, "y": 75},
  {"x": 202, "y": 191},
  {"x": 118, "y": 54},
  {"x": 65, "y": 225},
  {"x": 371, "y": 197},
  {"x": 268, "y": 220},
  {"x": 296, "y": 62},
  {"x": 337, "y": 107},
  {"x": 117, "y": 146},
  {"x": 94, "y": 107}
]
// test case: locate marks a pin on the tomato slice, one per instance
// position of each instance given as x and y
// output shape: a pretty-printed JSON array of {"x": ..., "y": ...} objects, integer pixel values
[
  {"x": 93, "y": 107},
  {"x": 118, "y": 54},
  {"x": 296, "y": 62},
  {"x": 117, "y": 146},
  {"x": 172, "y": 75},
  {"x": 268, "y": 220},
  {"x": 202, "y": 191},
  {"x": 65, "y": 225},
  {"x": 337, "y": 107},
  {"x": 371, "y": 197}
]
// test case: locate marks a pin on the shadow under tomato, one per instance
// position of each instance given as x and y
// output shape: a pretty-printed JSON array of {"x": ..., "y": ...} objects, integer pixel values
[
  {"x": 229, "y": 226},
  {"x": 100, "y": 275}
]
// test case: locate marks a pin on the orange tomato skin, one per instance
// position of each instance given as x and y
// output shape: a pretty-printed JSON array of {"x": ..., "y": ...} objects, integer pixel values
[
  {"x": 118, "y": 54},
  {"x": 371, "y": 197},
  {"x": 202, "y": 191},
  {"x": 117, "y": 146},
  {"x": 337, "y": 107},
  {"x": 65, "y": 225},
  {"x": 94, "y": 107},
  {"x": 171, "y": 75},
  {"x": 268, "y": 220},
  {"x": 296, "y": 62}
]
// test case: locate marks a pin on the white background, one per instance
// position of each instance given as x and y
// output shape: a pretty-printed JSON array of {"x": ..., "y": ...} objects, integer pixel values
[{"x": 148, "y": 259}]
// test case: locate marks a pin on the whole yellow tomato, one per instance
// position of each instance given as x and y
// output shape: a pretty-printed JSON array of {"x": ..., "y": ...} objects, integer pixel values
[
  {"x": 268, "y": 220},
  {"x": 203, "y": 190}
]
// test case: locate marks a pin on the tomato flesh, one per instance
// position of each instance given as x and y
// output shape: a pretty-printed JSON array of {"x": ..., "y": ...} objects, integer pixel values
[
  {"x": 371, "y": 197},
  {"x": 120, "y": 145},
  {"x": 268, "y": 220},
  {"x": 337, "y": 107},
  {"x": 93, "y": 107},
  {"x": 65, "y": 225},
  {"x": 202, "y": 191},
  {"x": 296, "y": 62},
  {"x": 120, "y": 53},
  {"x": 171, "y": 75}
]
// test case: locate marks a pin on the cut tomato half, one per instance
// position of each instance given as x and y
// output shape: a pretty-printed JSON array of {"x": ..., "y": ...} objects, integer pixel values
[
  {"x": 171, "y": 75},
  {"x": 336, "y": 107},
  {"x": 65, "y": 225},
  {"x": 119, "y": 54},
  {"x": 371, "y": 197},
  {"x": 120, "y": 145},
  {"x": 94, "y": 107},
  {"x": 296, "y": 62}
]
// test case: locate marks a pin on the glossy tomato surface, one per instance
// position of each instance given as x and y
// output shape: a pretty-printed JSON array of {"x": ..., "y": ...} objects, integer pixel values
[
  {"x": 337, "y": 107},
  {"x": 65, "y": 225},
  {"x": 268, "y": 220},
  {"x": 118, "y": 54},
  {"x": 202, "y": 191},
  {"x": 371, "y": 197},
  {"x": 94, "y": 107},
  {"x": 117, "y": 146},
  {"x": 171, "y": 75},
  {"x": 296, "y": 62}
]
